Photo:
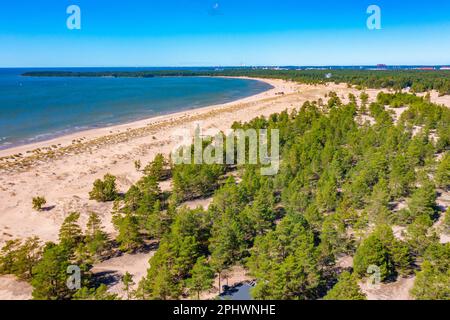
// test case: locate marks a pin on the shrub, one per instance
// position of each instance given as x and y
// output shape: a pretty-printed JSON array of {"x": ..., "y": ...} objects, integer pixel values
[
  {"x": 38, "y": 203},
  {"x": 346, "y": 289},
  {"x": 105, "y": 190}
]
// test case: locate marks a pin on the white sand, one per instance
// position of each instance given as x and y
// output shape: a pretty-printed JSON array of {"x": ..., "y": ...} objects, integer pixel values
[
  {"x": 398, "y": 290},
  {"x": 13, "y": 289},
  {"x": 114, "y": 269}
]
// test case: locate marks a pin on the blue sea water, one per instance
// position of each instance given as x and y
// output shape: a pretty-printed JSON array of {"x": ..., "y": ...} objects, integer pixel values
[{"x": 36, "y": 109}]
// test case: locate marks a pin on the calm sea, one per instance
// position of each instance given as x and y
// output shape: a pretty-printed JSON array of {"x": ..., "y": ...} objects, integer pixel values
[{"x": 36, "y": 109}]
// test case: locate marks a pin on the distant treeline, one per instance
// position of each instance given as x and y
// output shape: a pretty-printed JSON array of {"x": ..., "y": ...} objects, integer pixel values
[{"x": 416, "y": 80}]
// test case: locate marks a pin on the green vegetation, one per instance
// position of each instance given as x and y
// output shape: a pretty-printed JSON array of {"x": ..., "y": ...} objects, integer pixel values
[
  {"x": 105, "y": 190},
  {"x": 447, "y": 221},
  {"x": 346, "y": 289},
  {"x": 127, "y": 281},
  {"x": 159, "y": 168},
  {"x": 202, "y": 277},
  {"x": 19, "y": 258},
  {"x": 96, "y": 239},
  {"x": 38, "y": 202},
  {"x": 46, "y": 266},
  {"x": 418, "y": 81},
  {"x": 433, "y": 279},
  {"x": 50, "y": 274},
  {"x": 289, "y": 230},
  {"x": 443, "y": 172},
  {"x": 383, "y": 250}
]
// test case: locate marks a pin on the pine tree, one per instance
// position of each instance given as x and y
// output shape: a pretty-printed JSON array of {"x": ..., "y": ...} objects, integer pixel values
[
  {"x": 423, "y": 200},
  {"x": 202, "y": 277},
  {"x": 443, "y": 172},
  {"x": 372, "y": 252},
  {"x": 432, "y": 281},
  {"x": 50, "y": 274},
  {"x": 346, "y": 288},
  {"x": 70, "y": 233},
  {"x": 105, "y": 190},
  {"x": 158, "y": 168},
  {"x": 96, "y": 238},
  {"x": 127, "y": 281},
  {"x": 19, "y": 258},
  {"x": 129, "y": 237}
]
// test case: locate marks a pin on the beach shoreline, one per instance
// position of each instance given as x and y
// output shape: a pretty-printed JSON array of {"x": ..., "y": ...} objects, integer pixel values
[{"x": 96, "y": 132}]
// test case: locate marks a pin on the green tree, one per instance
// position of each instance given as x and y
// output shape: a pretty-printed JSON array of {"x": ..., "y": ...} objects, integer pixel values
[
  {"x": 227, "y": 242},
  {"x": 137, "y": 165},
  {"x": 202, "y": 277},
  {"x": 104, "y": 190},
  {"x": 70, "y": 234},
  {"x": 285, "y": 262},
  {"x": 399, "y": 251},
  {"x": 378, "y": 202},
  {"x": 96, "y": 294},
  {"x": 96, "y": 239},
  {"x": 50, "y": 274},
  {"x": 333, "y": 237},
  {"x": 158, "y": 168},
  {"x": 262, "y": 213},
  {"x": 128, "y": 283},
  {"x": 346, "y": 288},
  {"x": 418, "y": 234},
  {"x": 447, "y": 221},
  {"x": 372, "y": 252},
  {"x": 8, "y": 256},
  {"x": 364, "y": 97},
  {"x": 432, "y": 282},
  {"x": 19, "y": 258},
  {"x": 423, "y": 200},
  {"x": 129, "y": 237},
  {"x": 443, "y": 172}
]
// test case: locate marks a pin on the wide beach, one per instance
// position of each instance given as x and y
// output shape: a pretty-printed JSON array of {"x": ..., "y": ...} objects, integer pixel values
[{"x": 64, "y": 169}]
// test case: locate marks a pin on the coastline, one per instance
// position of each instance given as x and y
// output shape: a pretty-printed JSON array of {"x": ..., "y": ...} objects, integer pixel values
[
  {"x": 104, "y": 129},
  {"x": 92, "y": 133}
]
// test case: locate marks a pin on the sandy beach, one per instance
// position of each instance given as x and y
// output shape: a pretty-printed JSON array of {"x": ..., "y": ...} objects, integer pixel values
[{"x": 64, "y": 169}]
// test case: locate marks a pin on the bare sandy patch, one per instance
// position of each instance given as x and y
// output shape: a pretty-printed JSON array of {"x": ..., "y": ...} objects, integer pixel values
[
  {"x": 398, "y": 290},
  {"x": 111, "y": 271},
  {"x": 13, "y": 289}
]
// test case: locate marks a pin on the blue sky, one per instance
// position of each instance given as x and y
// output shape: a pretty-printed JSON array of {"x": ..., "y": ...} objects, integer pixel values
[{"x": 33, "y": 33}]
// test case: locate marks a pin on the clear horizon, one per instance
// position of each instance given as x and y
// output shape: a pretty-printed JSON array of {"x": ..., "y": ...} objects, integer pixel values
[
  {"x": 203, "y": 33},
  {"x": 226, "y": 66}
]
